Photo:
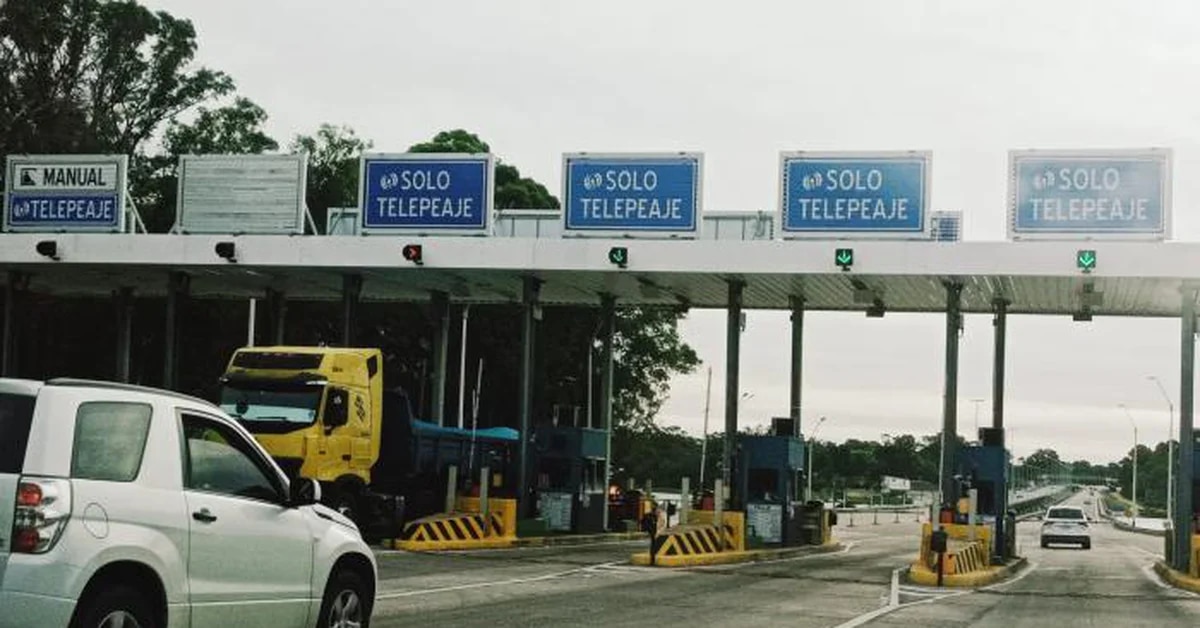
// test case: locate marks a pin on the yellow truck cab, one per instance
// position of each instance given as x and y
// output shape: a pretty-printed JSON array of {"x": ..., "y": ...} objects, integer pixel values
[
  {"x": 324, "y": 413},
  {"x": 318, "y": 411}
]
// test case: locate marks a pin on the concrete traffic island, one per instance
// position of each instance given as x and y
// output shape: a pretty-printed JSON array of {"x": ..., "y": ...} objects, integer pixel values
[
  {"x": 1177, "y": 579},
  {"x": 735, "y": 556},
  {"x": 919, "y": 573}
]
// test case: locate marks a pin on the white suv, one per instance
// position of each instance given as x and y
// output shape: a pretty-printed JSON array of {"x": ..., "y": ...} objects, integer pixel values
[{"x": 123, "y": 506}]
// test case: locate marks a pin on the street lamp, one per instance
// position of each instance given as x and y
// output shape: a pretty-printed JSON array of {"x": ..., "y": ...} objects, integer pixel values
[
  {"x": 1170, "y": 449},
  {"x": 1135, "y": 457},
  {"x": 812, "y": 439},
  {"x": 977, "y": 402}
]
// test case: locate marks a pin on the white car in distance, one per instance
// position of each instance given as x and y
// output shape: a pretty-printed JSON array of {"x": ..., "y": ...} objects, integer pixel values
[
  {"x": 1066, "y": 525},
  {"x": 129, "y": 507}
]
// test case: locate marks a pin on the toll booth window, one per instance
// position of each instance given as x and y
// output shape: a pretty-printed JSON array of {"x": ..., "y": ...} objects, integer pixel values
[{"x": 290, "y": 407}]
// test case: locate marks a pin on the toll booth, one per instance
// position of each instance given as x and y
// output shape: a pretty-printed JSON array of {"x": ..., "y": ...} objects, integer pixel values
[
  {"x": 768, "y": 472},
  {"x": 569, "y": 476},
  {"x": 984, "y": 468}
]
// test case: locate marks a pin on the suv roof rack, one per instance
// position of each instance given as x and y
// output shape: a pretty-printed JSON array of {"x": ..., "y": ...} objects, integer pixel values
[{"x": 95, "y": 383}]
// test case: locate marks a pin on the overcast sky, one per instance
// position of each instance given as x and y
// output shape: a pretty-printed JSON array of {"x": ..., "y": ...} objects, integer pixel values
[{"x": 741, "y": 82}]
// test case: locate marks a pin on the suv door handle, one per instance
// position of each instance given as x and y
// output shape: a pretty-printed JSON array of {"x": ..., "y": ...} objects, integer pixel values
[{"x": 204, "y": 516}]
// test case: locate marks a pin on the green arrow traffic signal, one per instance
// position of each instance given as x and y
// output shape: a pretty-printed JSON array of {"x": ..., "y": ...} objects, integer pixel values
[
  {"x": 1085, "y": 259},
  {"x": 844, "y": 258},
  {"x": 618, "y": 255}
]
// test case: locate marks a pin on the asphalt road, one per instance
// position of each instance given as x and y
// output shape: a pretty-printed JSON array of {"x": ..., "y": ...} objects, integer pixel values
[
  {"x": 1110, "y": 585},
  {"x": 590, "y": 586}
]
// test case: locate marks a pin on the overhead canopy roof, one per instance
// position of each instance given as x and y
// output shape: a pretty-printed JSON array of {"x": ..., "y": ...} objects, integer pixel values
[{"x": 1131, "y": 278}]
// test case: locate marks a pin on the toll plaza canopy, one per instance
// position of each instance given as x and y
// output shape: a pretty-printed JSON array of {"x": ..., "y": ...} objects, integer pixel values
[{"x": 1119, "y": 278}]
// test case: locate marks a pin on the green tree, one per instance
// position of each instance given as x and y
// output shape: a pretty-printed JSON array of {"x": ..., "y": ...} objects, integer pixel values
[
  {"x": 512, "y": 190},
  {"x": 333, "y": 155},
  {"x": 82, "y": 76},
  {"x": 233, "y": 129}
]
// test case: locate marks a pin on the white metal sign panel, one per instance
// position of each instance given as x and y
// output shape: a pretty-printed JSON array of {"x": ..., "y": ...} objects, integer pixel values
[
  {"x": 1089, "y": 194},
  {"x": 261, "y": 194},
  {"x": 65, "y": 193}
]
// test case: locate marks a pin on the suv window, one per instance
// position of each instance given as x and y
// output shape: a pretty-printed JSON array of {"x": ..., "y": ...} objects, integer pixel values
[
  {"x": 16, "y": 417},
  {"x": 110, "y": 438},
  {"x": 219, "y": 460}
]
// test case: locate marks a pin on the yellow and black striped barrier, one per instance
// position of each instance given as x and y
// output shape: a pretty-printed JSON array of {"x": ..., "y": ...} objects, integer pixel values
[
  {"x": 969, "y": 558},
  {"x": 690, "y": 541},
  {"x": 455, "y": 531}
]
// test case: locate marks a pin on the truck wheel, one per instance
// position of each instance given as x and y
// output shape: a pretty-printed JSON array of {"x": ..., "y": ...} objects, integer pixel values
[
  {"x": 345, "y": 500},
  {"x": 113, "y": 607}
]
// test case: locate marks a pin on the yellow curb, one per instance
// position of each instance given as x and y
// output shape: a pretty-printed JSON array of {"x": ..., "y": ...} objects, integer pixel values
[
  {"x": 918, "y": 573},
  {"x": 1176, "y": 578},
  {"x": 435, "y": 546},
  {"x": 642, "y": 559}
]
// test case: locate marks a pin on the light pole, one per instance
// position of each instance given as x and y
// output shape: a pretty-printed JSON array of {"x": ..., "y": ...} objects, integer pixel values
[
  {"x": 1170, "y": 449},
  {"x": 1135, "y": 457},
  {"x": 812, "y": 439},
  {"x": 977, "y": 402}
]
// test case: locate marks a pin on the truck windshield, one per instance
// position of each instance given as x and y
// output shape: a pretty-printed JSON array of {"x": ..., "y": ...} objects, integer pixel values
[{"x": 290, "y": 407}]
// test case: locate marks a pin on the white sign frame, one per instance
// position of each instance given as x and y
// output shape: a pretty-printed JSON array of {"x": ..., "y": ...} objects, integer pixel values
[
  {"x": 1168, "y": 225},
  {"x": 299, "y": 161},
  {"x": 121, "y": 190},
  {"x": 623, "y": 233},
  {"x": 781, "y": 209},
  {"x": 487, "y": 210}
]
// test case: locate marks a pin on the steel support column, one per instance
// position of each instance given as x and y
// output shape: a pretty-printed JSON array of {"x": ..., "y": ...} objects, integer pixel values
[
  {"x": 351, "y": 291},
  {"x": 14, "y": 292},
  {"x": 1182, "y": 525},
  {"x": 123, "y": 300},
  {"x": 440, "y": 302},
  {"x": 276, "y": 305},
  {"x": 796, "y": 381},
  {"x": 950, "y": 394},
  {"x": 608, "y": 326},
  {"x": 178, "y": 285},
  {"x": 733, "y": 338},
  {"x": 529, "y": 305},
  {"x": 999, "y": 329}
]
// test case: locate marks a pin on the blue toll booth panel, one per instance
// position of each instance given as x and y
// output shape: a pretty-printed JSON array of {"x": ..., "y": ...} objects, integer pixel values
[{"x": 984, "y": 469}]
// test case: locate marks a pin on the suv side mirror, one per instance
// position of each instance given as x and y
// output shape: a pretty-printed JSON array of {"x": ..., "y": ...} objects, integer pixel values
[
  {"x": 337, "y": 408},
  {"x": 303, "y": 492}
]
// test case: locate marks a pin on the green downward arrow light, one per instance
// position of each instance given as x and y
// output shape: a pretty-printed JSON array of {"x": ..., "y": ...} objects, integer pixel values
[
  {"x": 1085, "y": 260},
  {"x": 844, "y": 258},
  {"x": 618, "y": 255}
]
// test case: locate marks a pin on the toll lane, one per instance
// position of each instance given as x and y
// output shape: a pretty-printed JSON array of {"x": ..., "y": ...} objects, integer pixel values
[
  {"x": 584, "y": 586},
  {"x": 1111, "y": 585}
]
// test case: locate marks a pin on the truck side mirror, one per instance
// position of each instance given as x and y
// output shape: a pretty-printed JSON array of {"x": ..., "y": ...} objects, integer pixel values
[{"x": 337, "y": 408}]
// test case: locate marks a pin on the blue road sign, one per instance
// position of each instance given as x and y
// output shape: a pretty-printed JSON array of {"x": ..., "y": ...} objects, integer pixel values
[
  {"x": 65, "y": 193},
  {"x": 431, "y": 193},
  {"x": 1089, "y": 193},
  {"x": 633, "y": 194},
  {"x": 877, "y": 194}
]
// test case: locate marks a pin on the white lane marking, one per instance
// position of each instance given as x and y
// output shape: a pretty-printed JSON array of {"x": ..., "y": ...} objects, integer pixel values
[
  {"x": 494, "y": 583},
  {"x": 1144, "y": 551},
  {"x": 894, "y": 598},
  {"x": 1152, "y": 576},
  {"x": 1030, "y": 567}
]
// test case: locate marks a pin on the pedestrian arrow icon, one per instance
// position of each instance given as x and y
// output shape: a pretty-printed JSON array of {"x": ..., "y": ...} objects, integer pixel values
[
  {"x": 27, "y": 177},
  {"x": 618, "y": 255}
]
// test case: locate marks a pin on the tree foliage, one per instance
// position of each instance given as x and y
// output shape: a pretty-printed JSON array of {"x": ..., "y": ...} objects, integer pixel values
[
  {"x": 333, "y": 154},
  {"x": 88, "y": 76},
  {"x": 512, "y": 190}
]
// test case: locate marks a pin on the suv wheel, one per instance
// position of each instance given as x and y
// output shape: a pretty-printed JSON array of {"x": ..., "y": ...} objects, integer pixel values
[
  {"x": 345, "y": 604},
  {"x": 116, "y": 607}
]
